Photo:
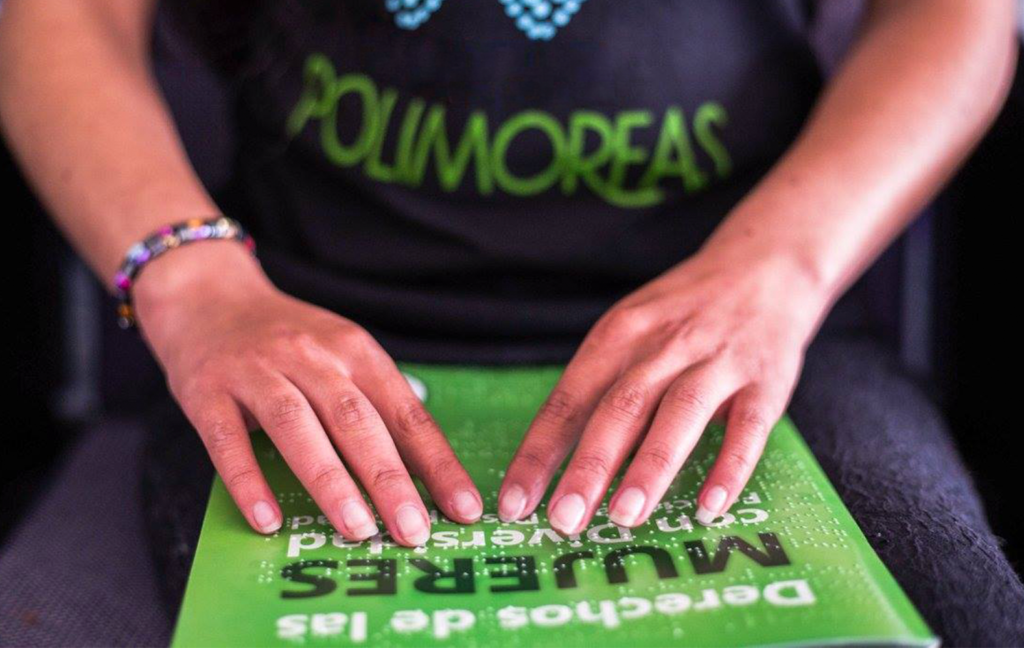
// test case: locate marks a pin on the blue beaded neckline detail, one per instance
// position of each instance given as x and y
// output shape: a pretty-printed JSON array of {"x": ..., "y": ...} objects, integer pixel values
[{"x": 538, "y": 19}]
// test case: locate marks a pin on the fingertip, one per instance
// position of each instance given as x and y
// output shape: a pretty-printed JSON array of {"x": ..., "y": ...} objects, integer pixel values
[
  {"x": 627, "y": 506},
  {"x": 467, "y": 506},
  {"x": 512, "y": 503},
  {"x": 567, "y": 513},
  {"x": 266, "y": 518},
  {"x": 357, "y": 521},
  {"x": 412, "y": 525},
  {"x": 712, "y": 504}
]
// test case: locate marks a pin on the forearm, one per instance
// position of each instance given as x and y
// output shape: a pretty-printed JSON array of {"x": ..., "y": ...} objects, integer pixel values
[
  {"x": 83, "y": 115},
  {"x": 915, "y": 94}
]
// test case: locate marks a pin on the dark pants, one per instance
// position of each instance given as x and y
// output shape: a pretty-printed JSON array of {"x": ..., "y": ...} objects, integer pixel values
[
  {"x": 884, "y": 446},
  {"x": 888, "y": 452}
]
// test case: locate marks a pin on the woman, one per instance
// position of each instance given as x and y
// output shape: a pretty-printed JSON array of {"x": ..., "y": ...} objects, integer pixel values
[{"x": 661, "y": 194}]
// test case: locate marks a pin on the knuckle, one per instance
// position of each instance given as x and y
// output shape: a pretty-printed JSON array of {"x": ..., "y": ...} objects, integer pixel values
[
  {"x": 632, "y": 319},
  {"x": 657, "y": 456},
  {"x": 737, "y": 461},
  {"x": 753, "y": 366},
  {"x": 328, "y": 478},
  {"x": 628, "y": 401},
  {"x": 534, "y": 458},
  {"x": 286, "y": 412},
  {"x": 593, "y": 463},
  {"x": 304, "y": 345},
  {"x": 754, "y": 421},
  {"x": 352, "y": 410},
  {"x": 221, "y": 436},
  {"x": 443, "y": 467},
  {"x": 291, "y": 339},
  {"x": 560, "y": 407},
  {"x": 627, "y": 322},
  {"x": 209, "y": 367},
  {"x": 242, "y": 478},
  {"x": 594, "y": 343},
  {"x": 788, "y": 367},
  {"x": 413, "y": 420},
  {"x": 204, "y": 380},
  {"x": 353, "y": 338},
  {"x": 387, "y": 477},
  {"x": 688, "y": 399}
]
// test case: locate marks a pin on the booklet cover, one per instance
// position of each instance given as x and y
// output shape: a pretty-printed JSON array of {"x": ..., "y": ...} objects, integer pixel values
[{"x": 787, "y": 565}]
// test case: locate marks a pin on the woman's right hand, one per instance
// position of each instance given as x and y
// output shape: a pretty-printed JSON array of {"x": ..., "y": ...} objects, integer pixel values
[{"x": 239, "y": 354}]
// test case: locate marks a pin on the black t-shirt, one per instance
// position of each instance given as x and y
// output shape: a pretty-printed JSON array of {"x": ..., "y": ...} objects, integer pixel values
[{"x": 479, "y": 180}]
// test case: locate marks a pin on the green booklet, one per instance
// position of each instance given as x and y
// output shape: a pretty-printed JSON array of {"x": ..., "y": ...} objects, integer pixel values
[{"x": 787, "y": 565}]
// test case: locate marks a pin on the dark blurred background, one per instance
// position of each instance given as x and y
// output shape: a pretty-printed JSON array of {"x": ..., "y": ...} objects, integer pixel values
[{"x": 67, "y": 365}]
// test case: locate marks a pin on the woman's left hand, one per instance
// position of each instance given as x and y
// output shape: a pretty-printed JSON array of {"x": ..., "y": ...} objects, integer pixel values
[{"x": 718, "y": 336}]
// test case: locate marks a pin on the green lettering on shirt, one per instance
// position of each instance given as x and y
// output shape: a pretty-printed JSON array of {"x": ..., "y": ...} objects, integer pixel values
[
  {"x": 590, "y": 151},
  {"x": 541, "y": 180}
]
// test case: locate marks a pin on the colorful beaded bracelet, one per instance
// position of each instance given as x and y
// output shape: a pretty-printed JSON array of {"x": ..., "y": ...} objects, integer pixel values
[{"x": 159, "y": 242}]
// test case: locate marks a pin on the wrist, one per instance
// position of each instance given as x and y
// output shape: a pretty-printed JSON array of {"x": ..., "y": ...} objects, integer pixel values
[
  {"x": 195, "y": 278},
  {"x": 783, "y": 275},
  {"x": 796, "y": 265}
]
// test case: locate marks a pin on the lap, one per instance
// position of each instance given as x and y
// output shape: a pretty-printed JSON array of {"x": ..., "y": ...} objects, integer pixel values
[
  {"x": 887, "y": 450},
  {"x": 77, "y": 571}
]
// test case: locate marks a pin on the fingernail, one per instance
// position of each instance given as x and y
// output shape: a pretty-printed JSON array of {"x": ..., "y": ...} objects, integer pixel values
[
  {"x": 711, "y": 507},
  {"x": 358, "y": 521},
  {"x": 467, "y": 505},
  {"x": 568, "y": 512},
  {"x": 265, "y": 517},
  {"x": 412, "y": 525},
  {"x": 628, "y": 506},
  {"x": 512, "y": 503}
]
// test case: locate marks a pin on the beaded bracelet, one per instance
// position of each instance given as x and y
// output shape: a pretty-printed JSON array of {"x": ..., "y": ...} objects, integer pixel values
[{"x": 165, "y": 239}]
